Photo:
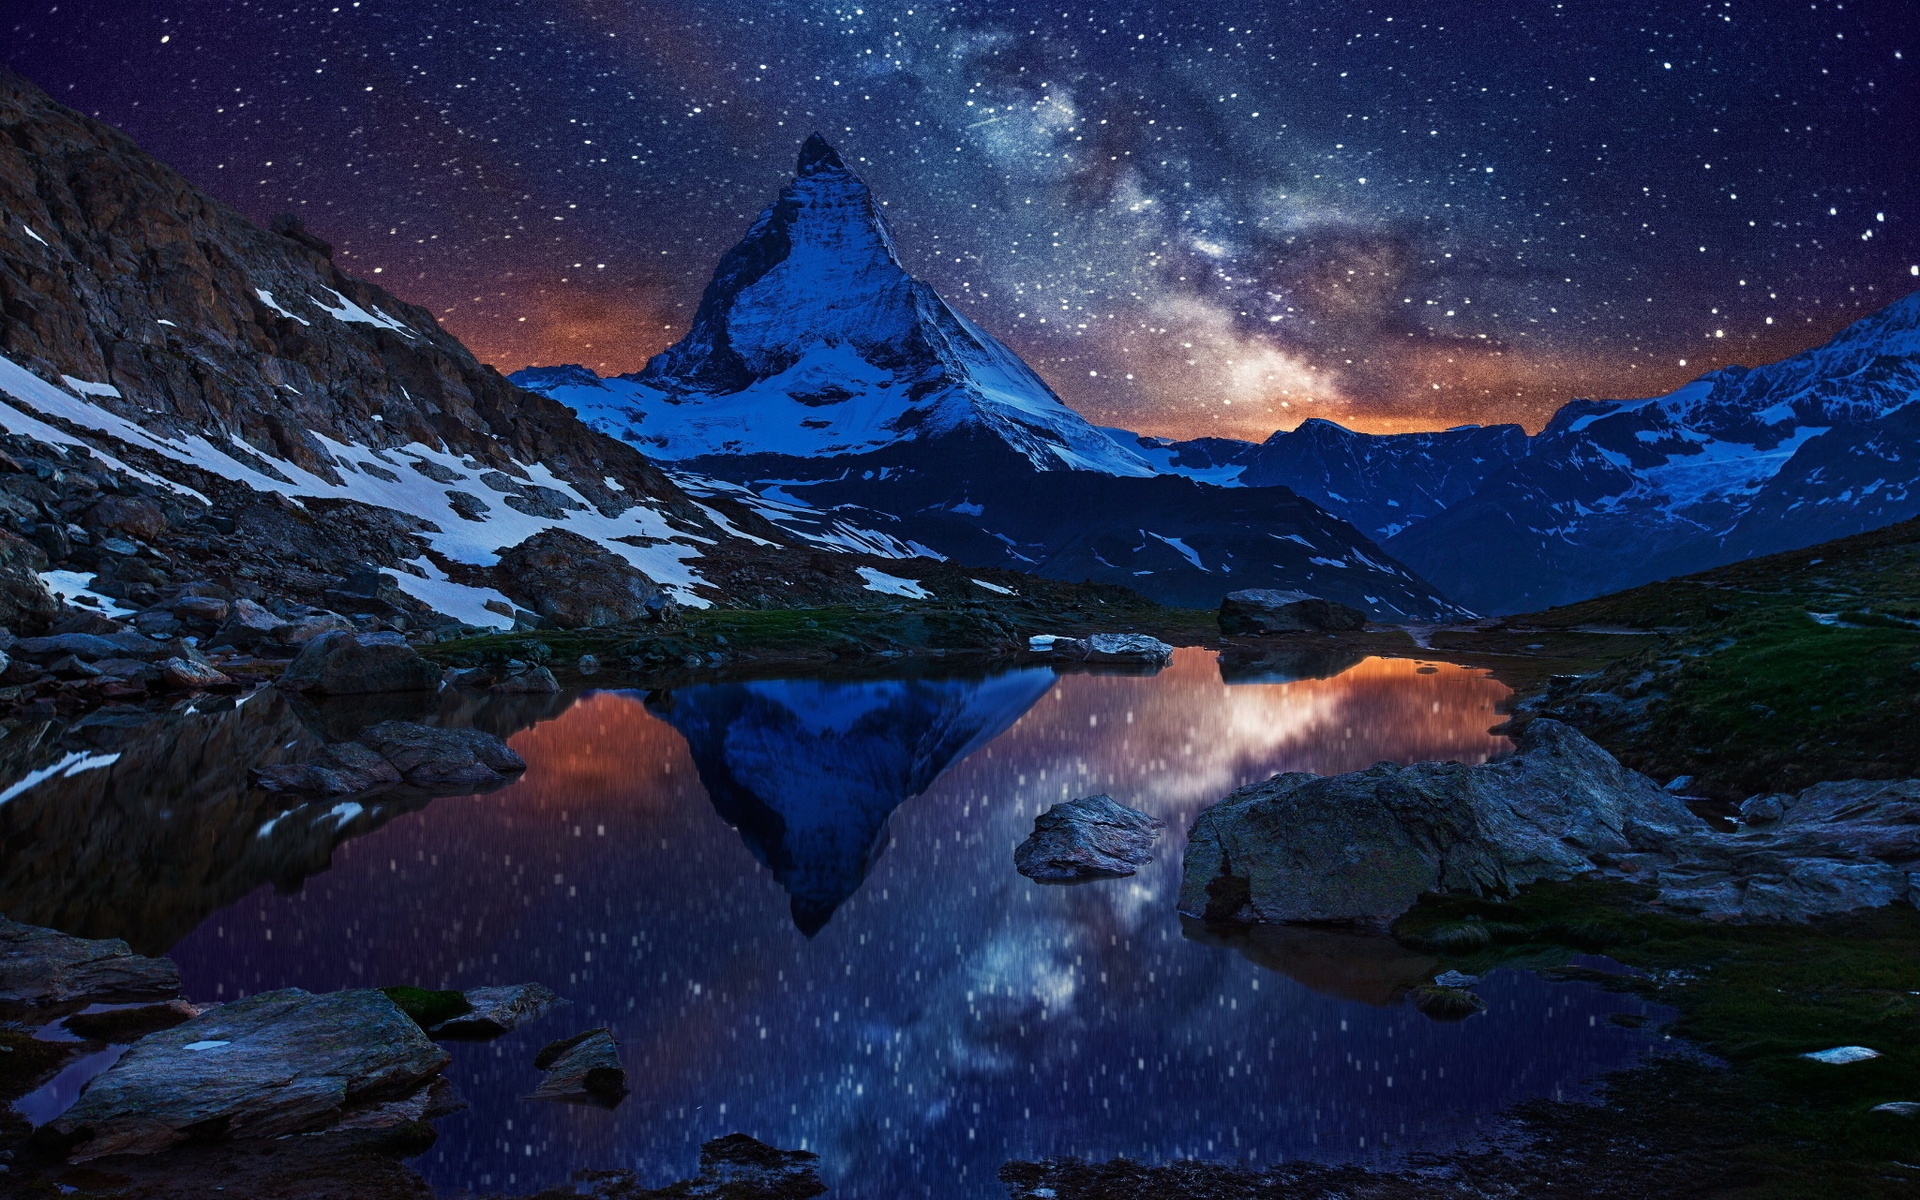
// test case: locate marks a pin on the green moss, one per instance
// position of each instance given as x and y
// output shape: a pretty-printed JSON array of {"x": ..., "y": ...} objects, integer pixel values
[
  {"x": 1759, "y": 997},
  {"x": 428, "y": 1008},
  {"x": 1774, "y": 701}
]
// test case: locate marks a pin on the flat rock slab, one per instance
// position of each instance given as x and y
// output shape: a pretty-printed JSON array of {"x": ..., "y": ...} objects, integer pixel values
[
  {"x": 499, "y": 1009},
  {"x": 582, "y": 1069},
  {"x": 276, "y": 1063},
  {"x": 44, "y": 969},
  {"x": 1094, "y": 838}
]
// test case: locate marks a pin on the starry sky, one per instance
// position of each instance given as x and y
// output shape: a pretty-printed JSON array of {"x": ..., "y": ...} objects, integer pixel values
[{"x": 1193, "y": 219}]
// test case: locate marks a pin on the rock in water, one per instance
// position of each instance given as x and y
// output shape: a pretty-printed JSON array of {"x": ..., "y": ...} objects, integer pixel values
[
  {"x": 497, "y": 1010},
  {"x": 338, "y": 663},
  {"x": 42, "y": 969},
  {"x": 577, "y": 583},
  {"x": 1094, "y": 838},
  {"x": 1267, "y": 610},
  {"x": 1364, "y": 846},
  {"x": 737, "y": 1167},
  {"x": 582, "y": 1069},
  {"x": 1106, "y": 648},
  {"x": 393, "y": 753},
  {"x": 264, "y": 1066}
]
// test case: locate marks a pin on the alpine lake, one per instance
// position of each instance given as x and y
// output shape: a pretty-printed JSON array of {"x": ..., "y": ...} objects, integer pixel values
[{"x": 793, "y": 901}]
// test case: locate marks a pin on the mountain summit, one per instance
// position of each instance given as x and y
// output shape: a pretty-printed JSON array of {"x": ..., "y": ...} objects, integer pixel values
[
  {"x": 817, "y": 369},
  {"x": 813, "y": 339}
]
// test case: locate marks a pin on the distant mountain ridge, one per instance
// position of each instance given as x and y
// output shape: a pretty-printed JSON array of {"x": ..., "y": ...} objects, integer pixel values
[
  {"x": 818, "y": 370},
  {"x": 1613, "y": 493}
]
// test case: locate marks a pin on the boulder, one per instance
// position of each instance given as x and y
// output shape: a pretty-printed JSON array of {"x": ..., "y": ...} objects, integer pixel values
[
  {"x": 1830, "y": 848},
  {"x": 265, "y": 1066},
  {"x": 577, "y": 583},
  {"x": 737, "y": 1167},
  {"x": 1094, "y": 838},
  {"x": 135, "y": 516},
  {"x": 497, "y": 1010},
  {"x": 1362, "y": 847},
  {"x": 308, "y": 626},
  {"x": 538, "y": 681},
  {"x": 43, "y": 969},
  {"x": 1106, "y": 648},
  {"x": 26, "y": 606},
  {"x": 340, "y": 663},
  {"x": 245, "y": 626},
  {"x": 1268, "y": 610},
  {"x": 393, "y": 753},
  {"x": 189, "y": 675},
  {"x": 582, "y": 1069}
]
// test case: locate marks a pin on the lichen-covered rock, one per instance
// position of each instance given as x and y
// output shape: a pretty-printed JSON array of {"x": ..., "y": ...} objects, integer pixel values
[
  {"x": 264, "y": 1066},
  {"x": 576, "y": 583},
  {"x": 1363, "y": 846},
  {"x": 43, "y": 969},
  {"x": 339, "y": 663},
  {"x": 1094, "y": 838},
  {"x": 582, "y": 1069},
  {"x": 1269, "y": 610}
]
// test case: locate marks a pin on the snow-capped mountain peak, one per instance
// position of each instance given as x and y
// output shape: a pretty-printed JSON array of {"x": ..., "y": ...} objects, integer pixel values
[{"x": 812, "y": 340}]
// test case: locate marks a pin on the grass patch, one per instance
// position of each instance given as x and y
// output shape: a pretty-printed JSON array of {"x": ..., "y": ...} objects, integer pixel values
[
  {"x": 1774, "y": 701},
  {"x": 1758, "y": 997}
]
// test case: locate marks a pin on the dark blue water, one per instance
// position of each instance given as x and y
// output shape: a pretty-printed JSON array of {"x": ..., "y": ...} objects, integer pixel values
[{"x": 794, "y": 903}]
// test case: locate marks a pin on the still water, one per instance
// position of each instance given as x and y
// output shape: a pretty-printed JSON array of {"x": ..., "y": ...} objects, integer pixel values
[{"x": 794, "y": 903}]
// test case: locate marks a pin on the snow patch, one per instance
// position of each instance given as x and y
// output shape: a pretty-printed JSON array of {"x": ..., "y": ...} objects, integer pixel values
[
  {"x": 893, "y": 585},
  {"x": 73, "y": 764}
]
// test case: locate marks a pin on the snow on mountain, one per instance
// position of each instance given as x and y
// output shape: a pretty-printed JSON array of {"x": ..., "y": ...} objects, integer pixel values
[
  {"x": 298, "y": 425},
  {"x": 818, "y": 372},
  {"x": 812, "y": 340},
  {"x": 1740, "y": 462}
]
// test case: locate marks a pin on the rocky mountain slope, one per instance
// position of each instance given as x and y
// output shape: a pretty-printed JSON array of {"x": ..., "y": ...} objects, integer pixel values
[
  {"x": 189, "y": 397},
  {"x": 817, "y": 368}
]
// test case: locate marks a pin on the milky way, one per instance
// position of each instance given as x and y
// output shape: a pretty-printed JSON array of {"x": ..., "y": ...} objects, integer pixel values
[{"x": 1191, "y": 218}]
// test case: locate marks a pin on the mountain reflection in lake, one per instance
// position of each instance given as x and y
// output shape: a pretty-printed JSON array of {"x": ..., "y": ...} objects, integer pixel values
[{"x": 653, "y": 863}]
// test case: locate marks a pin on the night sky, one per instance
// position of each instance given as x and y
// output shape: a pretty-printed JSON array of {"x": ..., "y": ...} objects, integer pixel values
[{"x": 1192, "y": 218}]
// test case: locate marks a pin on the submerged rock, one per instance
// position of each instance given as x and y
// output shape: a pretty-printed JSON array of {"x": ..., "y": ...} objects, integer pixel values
[
  {"x": 1094, "y": 838},
  {"x": 1364, "y": 846},
  {"x": 340, "y": 663},
  {"x": 43, "y": 969},
  {"x": 395, "y": 753},
  {"x": 264, "y": 1066},
  {"x": 1442, "y": 1003},
  {"x": 1268, "y": 610},
  {"x": 493, "y": 1011},
  {"x": 582, "y": 1069}
]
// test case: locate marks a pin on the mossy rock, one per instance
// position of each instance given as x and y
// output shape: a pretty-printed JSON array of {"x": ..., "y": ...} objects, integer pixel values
[
  {"x": 1446, "y": 1003},
  {"x": 428, "y": 1008}
]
